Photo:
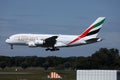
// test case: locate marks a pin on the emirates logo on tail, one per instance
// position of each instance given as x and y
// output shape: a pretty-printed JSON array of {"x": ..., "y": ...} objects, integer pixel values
[{"x": 54, "y": 75}]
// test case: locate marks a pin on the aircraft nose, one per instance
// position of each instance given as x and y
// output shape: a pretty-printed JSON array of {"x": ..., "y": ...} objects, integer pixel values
[{"x": 7, "y": 40}]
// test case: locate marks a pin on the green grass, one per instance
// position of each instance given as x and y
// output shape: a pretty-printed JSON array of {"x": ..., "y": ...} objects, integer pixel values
[{"x": 36, "y": 74}]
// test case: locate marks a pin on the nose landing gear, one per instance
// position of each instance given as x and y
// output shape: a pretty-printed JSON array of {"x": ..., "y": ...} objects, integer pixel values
[{"x": 11, "y": 46}]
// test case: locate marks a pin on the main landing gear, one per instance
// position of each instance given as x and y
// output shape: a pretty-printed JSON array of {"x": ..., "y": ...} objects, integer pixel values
[{"x": 52, "y": 49}]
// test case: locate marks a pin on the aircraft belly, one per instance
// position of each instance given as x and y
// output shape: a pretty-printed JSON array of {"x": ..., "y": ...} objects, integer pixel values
[{"x": 20, "y": 43}]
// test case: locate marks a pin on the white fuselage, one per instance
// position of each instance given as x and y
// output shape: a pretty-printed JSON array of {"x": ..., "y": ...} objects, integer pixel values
[
  {"x": 24, "y": 39},
  {"x": 54, "y": 41}
]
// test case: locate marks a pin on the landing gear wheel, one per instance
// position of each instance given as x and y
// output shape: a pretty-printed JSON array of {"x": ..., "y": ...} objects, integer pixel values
[
  {"x": 52, "y": 49},
  {"x": 47, "y": 49},
  {"x": 55, "y": 49}
]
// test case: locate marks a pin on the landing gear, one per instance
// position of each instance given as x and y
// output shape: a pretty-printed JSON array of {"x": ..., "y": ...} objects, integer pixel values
[
  {"x": 52, "y": 49},
  {"x": 47, "y": 49},
  {"x": 11, "y": 46}
]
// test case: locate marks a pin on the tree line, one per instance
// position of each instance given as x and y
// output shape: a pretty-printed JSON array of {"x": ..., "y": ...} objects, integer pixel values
[{"x": 102, "y": 59}]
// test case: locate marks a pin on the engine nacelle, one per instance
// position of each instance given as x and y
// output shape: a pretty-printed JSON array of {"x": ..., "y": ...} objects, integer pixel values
[
  {"x": 39, "y": 42},
  {"x": 31, "y": 44}
]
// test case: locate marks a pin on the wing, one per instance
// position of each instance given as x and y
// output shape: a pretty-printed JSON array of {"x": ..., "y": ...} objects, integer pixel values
[
  {"x": 50, "y": 42},
  {"x": 93, "y": 40},
  {"x": 51, "y": 38}
]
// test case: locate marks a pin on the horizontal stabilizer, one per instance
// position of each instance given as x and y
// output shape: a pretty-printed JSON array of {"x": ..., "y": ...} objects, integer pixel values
[{"x": 93, "y": 40}]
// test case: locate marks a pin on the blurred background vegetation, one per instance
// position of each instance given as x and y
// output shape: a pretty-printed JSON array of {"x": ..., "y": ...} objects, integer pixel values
[{"x": 102, "y": 59}]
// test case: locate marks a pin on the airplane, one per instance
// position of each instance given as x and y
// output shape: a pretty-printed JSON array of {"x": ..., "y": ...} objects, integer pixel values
[{"x": 53, "y": 42}]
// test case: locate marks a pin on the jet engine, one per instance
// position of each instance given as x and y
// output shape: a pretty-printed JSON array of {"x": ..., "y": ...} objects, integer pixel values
[
  {"x": 39, "y": 42},
  {"x": 31, "y": 44}
]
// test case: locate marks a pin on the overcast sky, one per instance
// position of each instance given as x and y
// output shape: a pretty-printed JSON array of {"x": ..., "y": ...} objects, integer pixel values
[{"x": 58, "y": 17}]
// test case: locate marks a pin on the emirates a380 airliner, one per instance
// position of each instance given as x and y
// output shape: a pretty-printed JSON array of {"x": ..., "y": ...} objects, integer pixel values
[{"x": 53, "y": 42}]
